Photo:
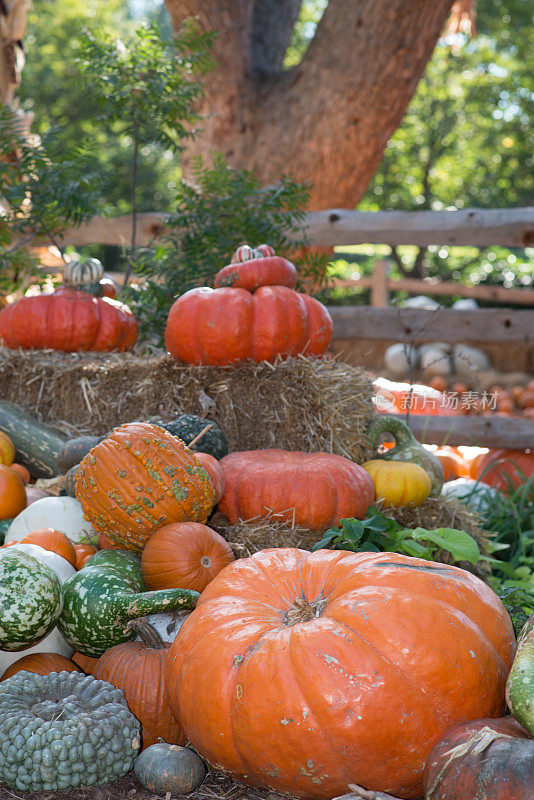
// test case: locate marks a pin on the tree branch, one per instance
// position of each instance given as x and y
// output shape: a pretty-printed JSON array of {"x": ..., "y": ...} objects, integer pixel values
[
  {"x": 398, "y": 261},
  {"x": 272, "y": 25}
]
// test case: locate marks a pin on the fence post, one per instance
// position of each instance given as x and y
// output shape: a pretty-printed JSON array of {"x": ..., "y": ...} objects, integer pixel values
[{"x": 379, "y": 288}]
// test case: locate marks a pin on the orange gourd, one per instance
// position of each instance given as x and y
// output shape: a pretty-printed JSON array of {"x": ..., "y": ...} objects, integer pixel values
[
  {"x": 139, "y": 668},
  {"x": 504, "y": 469},
  {"x": 85, "y": 663},
  {"x": 7, "y": 450},
  {"x": 22, "y": 472},
  {"x": 305, "y": 672},
  {"x": 56, "y": 541},
  {"x": 138, "y": 479},
  {"x": 83, "y": 552},
  {"x": 454, "y": 466},
  {"x": 12, "y": 493},
  {"x": 184, "y": 555},
  {"x": 40, "y": 663},
  {"x": 313, "y": 490}
]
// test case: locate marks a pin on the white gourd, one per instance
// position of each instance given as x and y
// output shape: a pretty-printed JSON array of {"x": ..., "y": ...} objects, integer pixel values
[
  {"x": 60, "y": 513},
  {"x": 434, "y": 360},
  {"x": 397, "y": 359}
]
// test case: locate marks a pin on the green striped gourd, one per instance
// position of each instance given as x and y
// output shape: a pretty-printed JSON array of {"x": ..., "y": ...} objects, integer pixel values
[
  {"x": 30, "y": 600},
  {"x": 520, "y": 684},
  {"x": 37, "y": 445},
  {"x": 100, "y": 600}
]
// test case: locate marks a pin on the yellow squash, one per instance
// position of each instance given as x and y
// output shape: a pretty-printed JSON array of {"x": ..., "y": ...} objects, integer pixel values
[{"x": 399, "y": 483}]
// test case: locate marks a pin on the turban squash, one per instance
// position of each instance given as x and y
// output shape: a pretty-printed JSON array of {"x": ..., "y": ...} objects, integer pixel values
[
  {"x": 253, "y": 313},
  {"x": 70, "y": 320},
  {"x": 334, "y": 668},
  {"x": 313, "y": 490},
  {"x": 138, "y": 479}
]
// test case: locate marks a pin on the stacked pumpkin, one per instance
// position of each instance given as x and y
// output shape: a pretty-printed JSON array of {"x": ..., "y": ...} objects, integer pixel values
[
  {"x": 252, "y": 313},
  {"x": 72, "y": 318}
]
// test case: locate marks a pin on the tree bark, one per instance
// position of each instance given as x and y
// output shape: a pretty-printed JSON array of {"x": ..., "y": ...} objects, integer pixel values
[{"x": 327, "y": 120}]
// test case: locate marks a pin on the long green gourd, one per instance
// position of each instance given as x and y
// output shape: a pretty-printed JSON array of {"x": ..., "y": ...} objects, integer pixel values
[
  {"x": 98, "y": 602},
  {"x": 520, "y": 683},
  {"x": 407, "y": 448},
  {"x": 37, "y": 445}
]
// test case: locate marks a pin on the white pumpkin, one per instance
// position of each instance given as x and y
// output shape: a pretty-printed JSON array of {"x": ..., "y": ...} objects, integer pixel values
[
  {"x": 465, "y": 304},
  {"x": 167, "y": 624},
  {"x": 469, "y": 361},
  {"x": 397, "y": 359},
  {"x": 434, "y": 360},
  {"x": 60, "y": 565},
  {"x": 421, "y": 301},
  {"x": 60, "y": 513}
]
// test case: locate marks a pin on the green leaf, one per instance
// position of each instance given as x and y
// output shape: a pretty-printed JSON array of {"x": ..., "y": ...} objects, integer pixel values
[{"x": 458, "y": 543}]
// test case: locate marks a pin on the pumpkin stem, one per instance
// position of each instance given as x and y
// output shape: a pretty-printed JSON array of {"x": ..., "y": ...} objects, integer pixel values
[
  {"x": 303, "y": 610},
  {"x": 200, "y": 435},
  {"x": 147, "y": 633}
]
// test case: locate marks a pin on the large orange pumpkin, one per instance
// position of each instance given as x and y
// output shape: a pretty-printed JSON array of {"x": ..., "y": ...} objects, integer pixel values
[
  {"x": 138, "y": 668},
  {"x": 184, "y": 555},
  {"x": 314, "y": 490},
  {"x": 222, "y": 326},
  {"x": 12, "y": 493},
  {"x": 68, "y": 320},
  {"x": 305, "y": 671},
  {"x": 505, "y": 469},
  {"x": 138, "y": 479}
]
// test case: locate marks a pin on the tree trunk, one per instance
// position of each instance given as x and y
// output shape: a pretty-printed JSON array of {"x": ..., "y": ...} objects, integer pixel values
[{"x": 327, "y": 120}]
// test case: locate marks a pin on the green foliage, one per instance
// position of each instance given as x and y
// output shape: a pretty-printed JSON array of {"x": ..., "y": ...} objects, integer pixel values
[
  {"x": 147, "y": 86},
  {"x": 47, "y": 187},
  {"x": 221, "y": 209},
  {"x": 377, "y": 533}
]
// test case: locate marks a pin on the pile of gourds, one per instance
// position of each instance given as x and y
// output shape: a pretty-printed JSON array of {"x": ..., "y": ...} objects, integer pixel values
[{"x": 302, "y": 672}]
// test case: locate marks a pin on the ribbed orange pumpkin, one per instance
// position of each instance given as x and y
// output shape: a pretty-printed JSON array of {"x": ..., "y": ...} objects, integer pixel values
[
  {"x": 505, "y": 468},
  {"x": 314, "y": 490},
  {"x": 139, "y": 669},
  {"x": 222, "y": 326},
  {"x": 305, "y": 671},
  {"x": 138, "y": 479},
  {"x": 68, "y": 320},
  {"x": 56, "y": 541},
  {"x": 252, "y": 272},
  {"x": 41, "y": 663},
  {"x": 184, "y": 555}
]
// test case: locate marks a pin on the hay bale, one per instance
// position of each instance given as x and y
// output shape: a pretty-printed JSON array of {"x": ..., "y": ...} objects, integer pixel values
[
  {"x": 298, "y": 404},
  {"x": 439, "y": 512}
]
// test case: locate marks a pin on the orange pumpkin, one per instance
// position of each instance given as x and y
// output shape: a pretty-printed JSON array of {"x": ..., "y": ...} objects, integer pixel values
[
  {"x": 22, "y": 472},
  {"x": 12, "y": 493},
  {"x": 7, "y": 450},
  {"x": 314, "y": 490},
  {"x": 222, "y": 326},
  {"x": 453, "y": 464},
  {"x": 505, "y": 469},
  {"x": 138, "y": 479},
  {"x": 254, "y": 267},
  {"x": 139, "y": 668},
  {"x": 215, "y": 471},
  {"x": 527, "y": 399},
  {"x": 40, "y": 663},
  {"x": 305, "y": 672},
  {"x": 86, "y": 663},
  {"x": 184, "y": 555},
  {"x": 83, "y": 552},
  {"x": 56, "y": 541}
]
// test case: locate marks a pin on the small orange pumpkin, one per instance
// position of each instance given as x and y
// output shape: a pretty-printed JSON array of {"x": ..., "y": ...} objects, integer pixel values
[
  {"x": 184, "y": 555},
  {"x": 40, "y": 663},
  {"x": 7, "y": 450},
  {"x": 83, "y": 552},
  {"x": 22, "y": 472},
  {"x": 453, "y": 464},
  {"x": 12, "y": 493},
  {"x": 53, "y": 540}
]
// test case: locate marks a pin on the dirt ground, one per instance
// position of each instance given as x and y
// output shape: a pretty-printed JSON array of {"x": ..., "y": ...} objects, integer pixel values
[{"x": 215, "y": 787}]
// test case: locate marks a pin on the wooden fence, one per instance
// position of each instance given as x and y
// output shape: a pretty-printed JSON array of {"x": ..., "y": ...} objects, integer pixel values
[{"x": 470, "y": 227}]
